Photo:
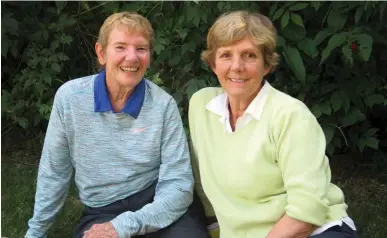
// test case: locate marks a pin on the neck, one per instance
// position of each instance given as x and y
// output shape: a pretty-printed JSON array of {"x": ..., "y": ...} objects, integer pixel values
[
  {"x": 118, "y": 95},
  {"x": 237, "y": 106}
]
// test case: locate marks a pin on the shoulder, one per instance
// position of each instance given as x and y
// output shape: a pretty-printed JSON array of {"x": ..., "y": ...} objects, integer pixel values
[
  {"x": 74, "y": 86},
  {"x": 286, "y": 105},
  {"x": 158, "y": 94},
  {"x": 204, "y": 96},
  {"x": 289, "y": 113}
]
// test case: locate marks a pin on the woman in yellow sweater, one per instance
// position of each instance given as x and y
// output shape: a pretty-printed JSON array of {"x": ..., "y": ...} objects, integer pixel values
[{"x": 260, "y": 152}]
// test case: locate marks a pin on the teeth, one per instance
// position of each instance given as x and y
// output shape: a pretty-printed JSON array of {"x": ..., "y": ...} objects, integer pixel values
[
  {"x": 129, "y": 69},
  {"x": 238, "y": 80}
]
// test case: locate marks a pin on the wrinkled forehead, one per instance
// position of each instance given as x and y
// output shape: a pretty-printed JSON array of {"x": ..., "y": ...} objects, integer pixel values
[{"x": 131, "y": 29}]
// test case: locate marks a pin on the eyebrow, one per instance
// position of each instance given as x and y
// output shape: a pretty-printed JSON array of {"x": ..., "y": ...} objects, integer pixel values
[{"x": 124, "y": 43}]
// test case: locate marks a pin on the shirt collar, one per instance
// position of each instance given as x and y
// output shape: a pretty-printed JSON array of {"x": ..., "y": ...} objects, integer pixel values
[
  {"x": 102, "y": 102},
  {"x": 219, "y": 104}
]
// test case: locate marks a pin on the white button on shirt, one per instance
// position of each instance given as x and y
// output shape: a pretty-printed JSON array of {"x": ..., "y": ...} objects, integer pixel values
[{"x": 219, "y": 105}]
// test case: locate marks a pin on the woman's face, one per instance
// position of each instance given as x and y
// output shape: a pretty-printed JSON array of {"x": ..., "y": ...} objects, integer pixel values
[
  {"x": 240, "y": 69},
  {"x": 126, "y": 57}
]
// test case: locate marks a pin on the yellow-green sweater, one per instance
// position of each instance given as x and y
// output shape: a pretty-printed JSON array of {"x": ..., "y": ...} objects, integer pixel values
[{"x": 273, "y": 166}]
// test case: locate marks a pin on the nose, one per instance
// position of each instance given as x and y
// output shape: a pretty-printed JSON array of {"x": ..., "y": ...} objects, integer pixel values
[
  {"x": 131, "y": 54},
  {"x": 236, "y": 64}
]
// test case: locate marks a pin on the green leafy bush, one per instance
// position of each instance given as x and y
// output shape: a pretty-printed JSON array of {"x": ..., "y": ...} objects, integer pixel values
[{"x": 333, "y": 57}]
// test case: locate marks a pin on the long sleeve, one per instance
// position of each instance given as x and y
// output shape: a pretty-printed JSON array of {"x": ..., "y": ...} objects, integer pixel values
[
  {"x": 195, "y": 164},
  {"x": 55, "y": 172},
  {"x": 174, "y": 190},
  {"x": 305, "y": 168}
]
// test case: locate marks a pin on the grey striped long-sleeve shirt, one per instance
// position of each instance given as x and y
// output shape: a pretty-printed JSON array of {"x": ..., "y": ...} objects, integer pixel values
[{"x": 114, "y": 155}]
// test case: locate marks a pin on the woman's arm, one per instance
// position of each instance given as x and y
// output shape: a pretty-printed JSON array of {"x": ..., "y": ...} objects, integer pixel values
[
  {"x": 288, "y": 227},
  {"x": 301, "y": 145}
]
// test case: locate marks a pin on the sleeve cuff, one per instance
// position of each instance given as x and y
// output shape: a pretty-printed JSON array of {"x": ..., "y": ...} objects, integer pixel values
[
  {"x": 307, "y": 208},
  {"x": 120, "y": 227}
]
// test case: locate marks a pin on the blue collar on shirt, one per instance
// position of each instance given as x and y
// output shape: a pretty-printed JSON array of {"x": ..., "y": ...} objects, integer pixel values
[{"x": 102, "y": 101}]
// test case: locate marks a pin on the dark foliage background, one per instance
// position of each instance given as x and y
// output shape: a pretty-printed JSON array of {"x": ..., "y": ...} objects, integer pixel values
[{"x": 334, "y": 58}]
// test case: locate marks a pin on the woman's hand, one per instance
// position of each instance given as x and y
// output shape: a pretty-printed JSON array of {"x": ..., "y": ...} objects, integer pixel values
[
  {"x": 288, "y": 227},
  {"x": 104, "y": 230}
]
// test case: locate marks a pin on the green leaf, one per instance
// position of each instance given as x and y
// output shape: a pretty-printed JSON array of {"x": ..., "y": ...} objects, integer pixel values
[
  {"x": 5, "y": 45},
  {"x": 316, "y": 5},
  {"x": 278, "y": 13},
  {"x": 67, "y": 39},
  {"x": 336, "y": 20},
  {"x": 47, "y": 78},
  {"x": 347, "y": 52},
  {"x": 358, "y": 14},
  {"x": 361, "y": 144},
  {"x": 294, "y": 32},
  {"x": 23, "y": 122},
  {"x": 182, "y": 33},
  {"x": 370, "y": 132},
  {"x": 285, "y": 20},
  {"x": 330, "y": 149},
  {"x": 280, "y": 41},
  {"x": 293, "y": 58},
  {"x": 297, "y": 19},
  {"x": 365, "y": 46},
  {"x": 322, "y": 35},
  {"x": 374, "y": 99},
  {"x": 336, "y": 101},
  {"x": 335, "y": 41},
  {"x": 383, "y": 5},
  {"x": 372, "y": 142},
  {"x": 346, "y": 101},
  {"x": 190, "y": 46},
  {"x": 158, "y": 47},
  {"x": 55, "y": 67},
  {"x": 329, "y": 131},
  {"x": 298, "y": 6},
  {"x": 156, "y": 79},
  {"x": 273, "y": 9},
  {"x": 191, "y": 89},
  {"x": 308, "y": 46},
  {"x": 352, "y": 117},
  {"x": 11, "y": 25},
  {"x": 316, "y": 110},
  {"x": 60, "y": 5},
  {"x": 188, "y": 67},
  {"x": 326, "y": 108}
]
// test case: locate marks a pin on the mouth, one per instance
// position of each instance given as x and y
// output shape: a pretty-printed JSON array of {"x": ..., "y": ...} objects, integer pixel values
[
  {"x": 129, "y": 69},
  {"x": 237, "y": 80}
]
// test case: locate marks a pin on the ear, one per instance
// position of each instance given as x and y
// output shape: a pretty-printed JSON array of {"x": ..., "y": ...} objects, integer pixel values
[
  {"x": 100, "y": 53},
  {"x": 267, "y": 70}
]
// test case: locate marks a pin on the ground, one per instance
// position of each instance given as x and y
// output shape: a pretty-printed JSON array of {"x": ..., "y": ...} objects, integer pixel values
[{"x": 365, "y": 194}]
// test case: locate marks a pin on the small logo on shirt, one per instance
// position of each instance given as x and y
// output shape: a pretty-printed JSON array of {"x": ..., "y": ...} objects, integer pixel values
[{"x": 138, "y": 130}]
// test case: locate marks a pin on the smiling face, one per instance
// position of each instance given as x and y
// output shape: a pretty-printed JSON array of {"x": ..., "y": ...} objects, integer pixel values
[
  {"x": 126, "y": 57},
  {"x": 240, "y": 68}
]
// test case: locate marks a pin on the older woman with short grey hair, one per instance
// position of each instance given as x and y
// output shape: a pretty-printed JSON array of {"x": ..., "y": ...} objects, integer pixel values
[{"x": 258, "y": 152}]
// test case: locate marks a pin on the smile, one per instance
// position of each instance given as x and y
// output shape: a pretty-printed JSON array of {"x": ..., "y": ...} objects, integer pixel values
[
  {"x": 238, "y": 80},
  {"x": 129, "y": 69}
]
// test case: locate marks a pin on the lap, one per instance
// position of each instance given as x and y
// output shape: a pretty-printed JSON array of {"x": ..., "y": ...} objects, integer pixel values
[
  {"x": 343, "y": 231},
  {"x": 191, "y": 225}
]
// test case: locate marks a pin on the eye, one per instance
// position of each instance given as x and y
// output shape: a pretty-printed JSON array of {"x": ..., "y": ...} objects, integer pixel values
[
  {"x": 142, "y": 49},
  {"x": 225, "y": 55},
  {"x": 120, "y": 48},
  {"x": 249, "y": 55}
]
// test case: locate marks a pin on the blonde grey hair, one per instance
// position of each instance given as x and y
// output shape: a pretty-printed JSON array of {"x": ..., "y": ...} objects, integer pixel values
[
  {"x": 237, "y": 25},
  {"x": 132, "y": 21}
]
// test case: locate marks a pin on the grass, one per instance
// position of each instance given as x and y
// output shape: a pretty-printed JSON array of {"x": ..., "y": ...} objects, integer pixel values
[
  {"x": 18, "y": 180},
  {"x": 364, "y": 195}
]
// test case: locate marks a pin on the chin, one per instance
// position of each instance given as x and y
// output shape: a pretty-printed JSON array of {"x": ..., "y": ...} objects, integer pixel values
[
  {"x": 236, "y": 92},
  {"x": 129, "y": 82}
]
